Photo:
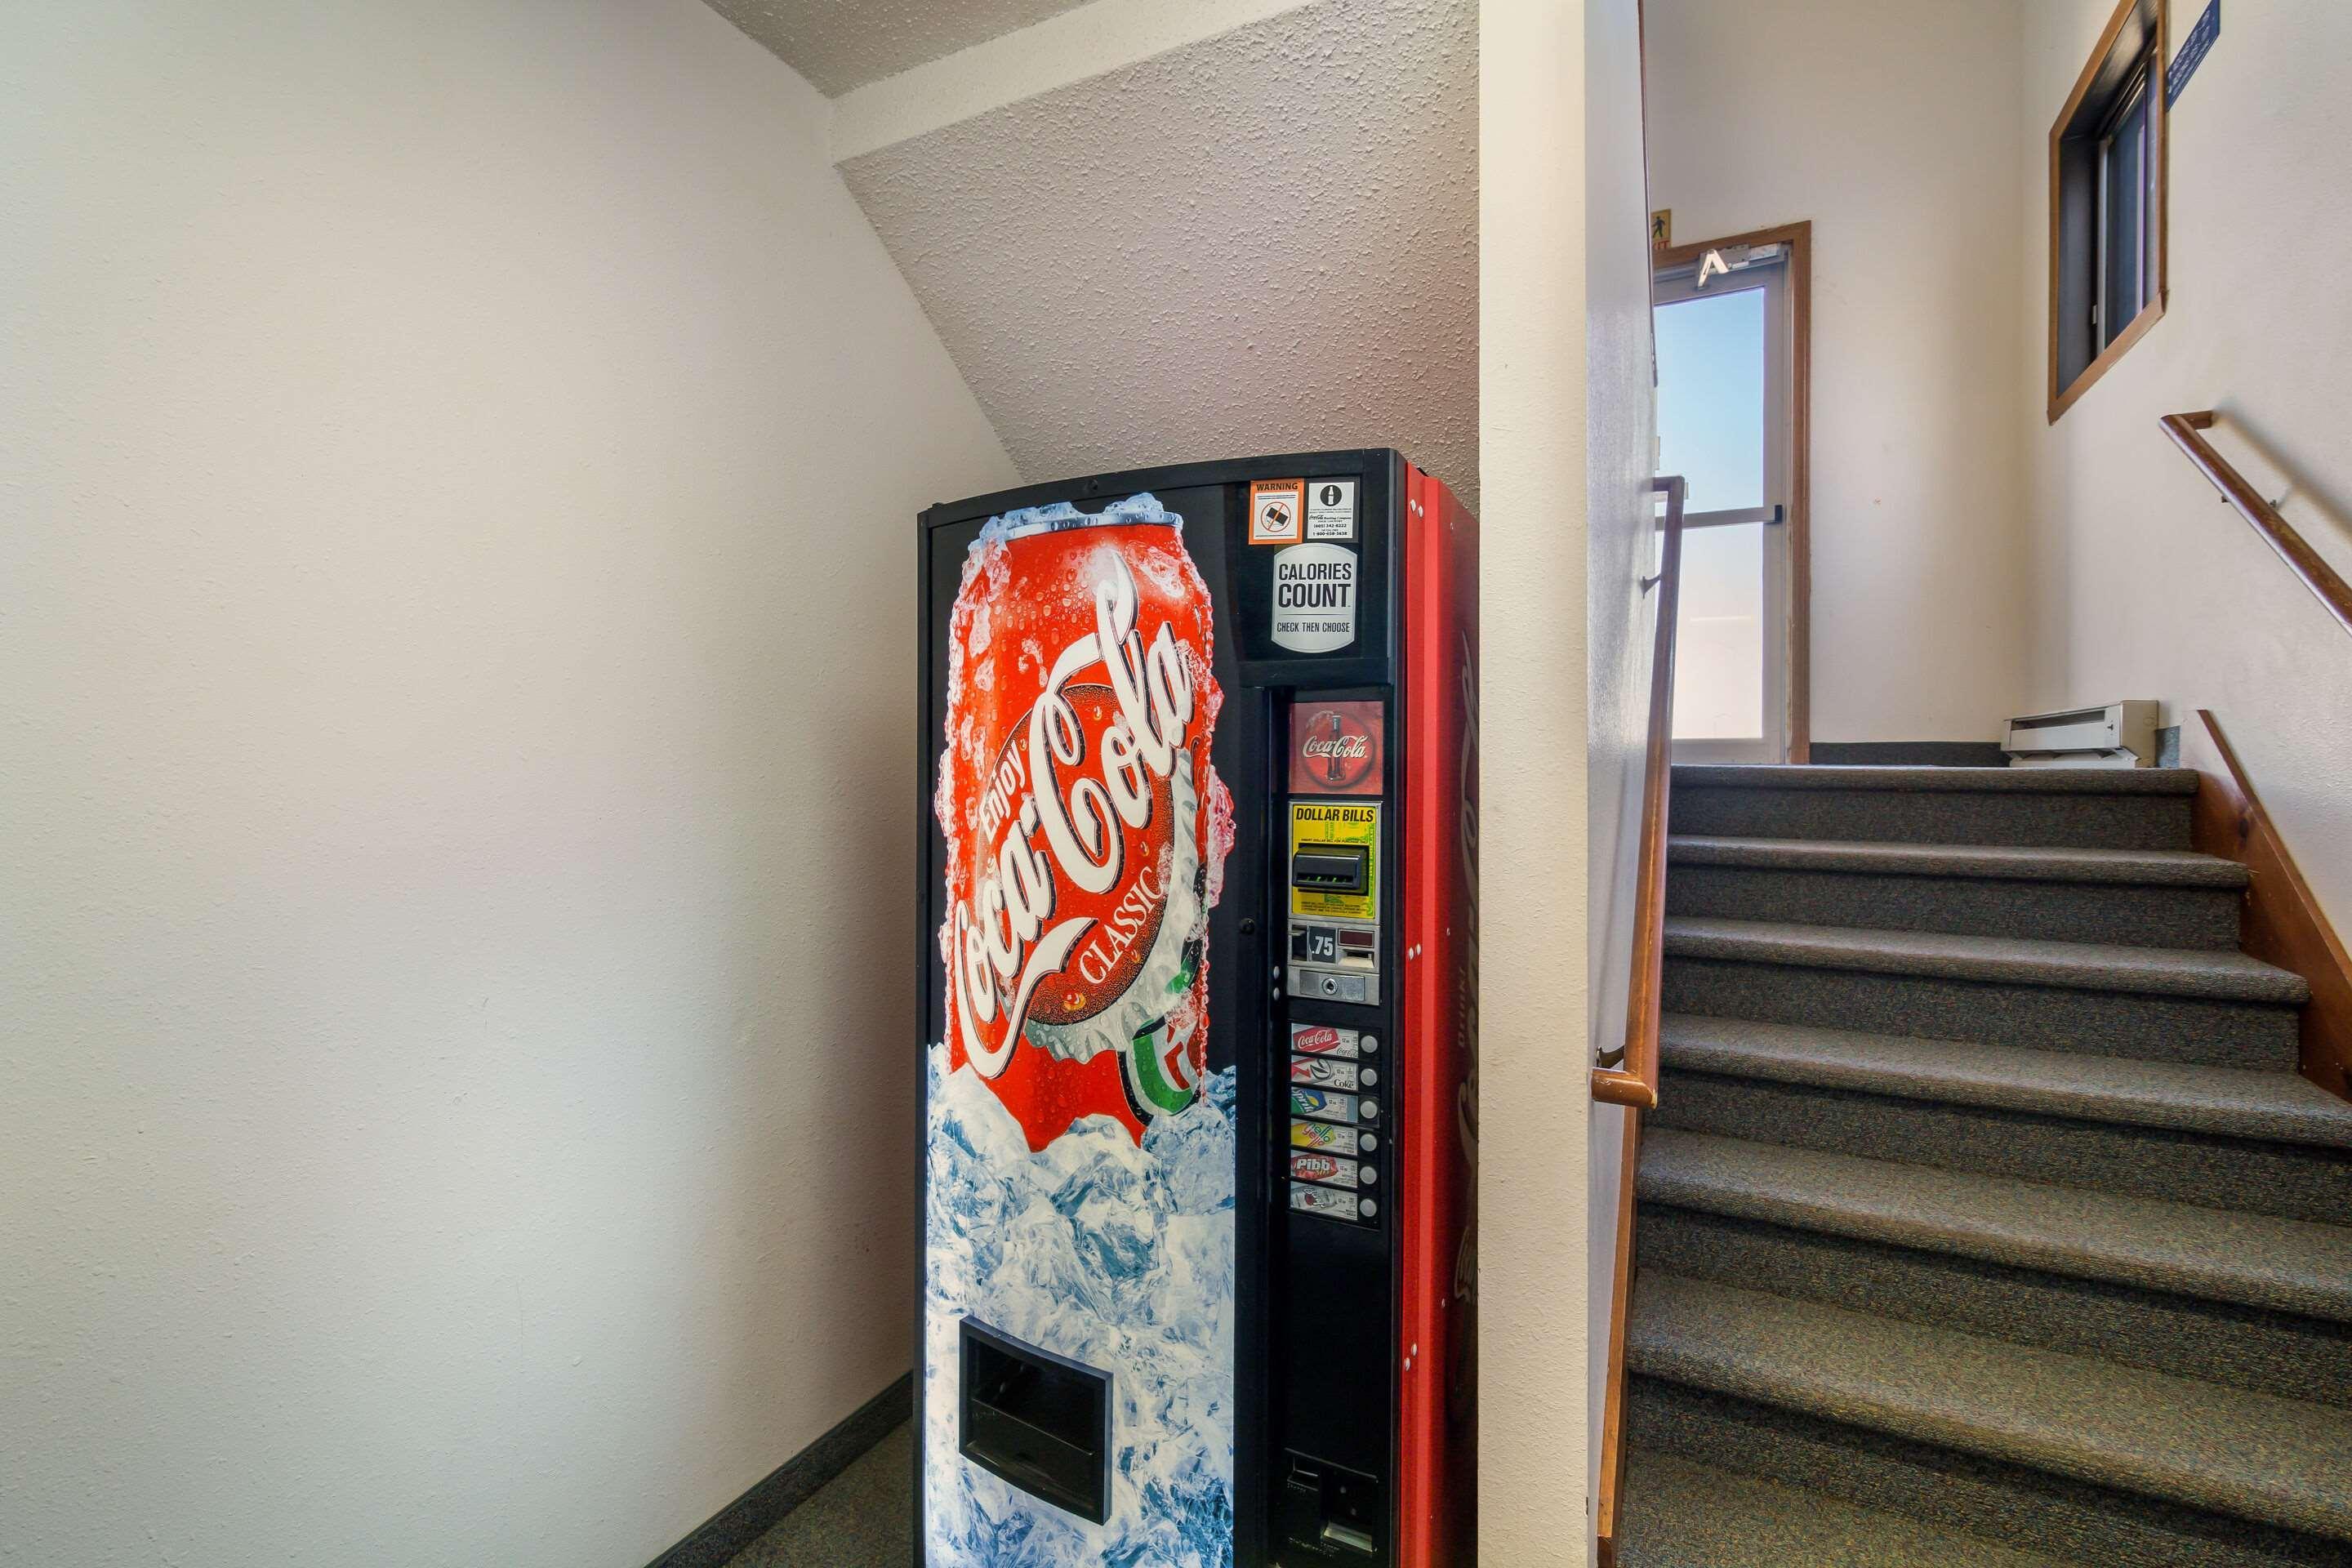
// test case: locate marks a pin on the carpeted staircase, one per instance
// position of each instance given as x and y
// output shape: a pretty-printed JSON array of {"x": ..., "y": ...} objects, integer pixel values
[{"x": 1983, "y": 1219}]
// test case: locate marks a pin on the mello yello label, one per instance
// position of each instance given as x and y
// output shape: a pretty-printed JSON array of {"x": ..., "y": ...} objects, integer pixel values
[{"x": 1085, "y": 826}]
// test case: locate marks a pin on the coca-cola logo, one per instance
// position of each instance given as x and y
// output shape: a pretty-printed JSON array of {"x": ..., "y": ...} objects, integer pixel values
[
  {"x": 1086, "y": 890},
  {"x": 1335, "y": 749}
]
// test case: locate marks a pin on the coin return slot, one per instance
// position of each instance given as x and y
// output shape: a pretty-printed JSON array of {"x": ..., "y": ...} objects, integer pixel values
[
  {"x": 1037, "y": 1421},
  {"x": 1331, "y": 868},
  {"x": 1333, "y": 1513}
]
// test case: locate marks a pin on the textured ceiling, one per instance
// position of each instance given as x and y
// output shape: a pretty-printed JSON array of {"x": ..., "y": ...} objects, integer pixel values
[
  {"x": 841, "y": 44},
  {"x": 1260, "y": 243}
]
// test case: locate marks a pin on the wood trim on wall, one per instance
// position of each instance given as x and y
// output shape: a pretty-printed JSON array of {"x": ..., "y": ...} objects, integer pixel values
[
  {"x": 1609, "y": 1508},
  {"x": 2280, "y": 922},
  {"x": 1799, "y": 238},
  {"x": 2062, "y": 398}
]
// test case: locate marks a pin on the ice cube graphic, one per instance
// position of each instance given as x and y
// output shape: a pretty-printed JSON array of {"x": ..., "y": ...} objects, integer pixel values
[{"x": 1117, "y": 1256}]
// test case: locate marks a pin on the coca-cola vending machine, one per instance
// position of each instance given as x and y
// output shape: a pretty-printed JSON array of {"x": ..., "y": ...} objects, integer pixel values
[{"x": 1198, "y": 816}]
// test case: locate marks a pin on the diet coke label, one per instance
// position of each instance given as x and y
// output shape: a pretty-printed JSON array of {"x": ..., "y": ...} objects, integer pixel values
[{"x": 1086, "y": 828}]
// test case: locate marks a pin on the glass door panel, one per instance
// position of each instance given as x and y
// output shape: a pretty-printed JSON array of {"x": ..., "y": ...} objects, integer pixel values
[
  {"x": 1719, "y": 641},
  {"x": 1711, "y": 398},
  {"x": 1723, "y": 401}
]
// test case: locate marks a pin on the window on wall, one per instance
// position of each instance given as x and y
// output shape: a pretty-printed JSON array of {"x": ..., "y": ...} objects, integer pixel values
[{"x": 2106, "y": 203}]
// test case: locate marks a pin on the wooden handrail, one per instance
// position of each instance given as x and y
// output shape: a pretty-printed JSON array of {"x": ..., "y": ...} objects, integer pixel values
[
  {"x": 1635, "y": 1082},
  {"x": 2277, "y": 533}
]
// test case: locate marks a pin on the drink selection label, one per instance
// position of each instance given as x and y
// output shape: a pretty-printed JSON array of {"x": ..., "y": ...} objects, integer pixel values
[
  {"x": 1323, "y": 1073},
  {"x": 1329, "y": 1106},
  {"x": 1325, "y": 1040},
  {"x": 1323, "y": 1201},
  {"x": 1324, "y": 1135},
  {"x": 1325, "y": 1168}
]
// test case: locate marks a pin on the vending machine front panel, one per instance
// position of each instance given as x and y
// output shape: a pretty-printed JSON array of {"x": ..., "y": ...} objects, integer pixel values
[{"x": 1189, "y": 1116}]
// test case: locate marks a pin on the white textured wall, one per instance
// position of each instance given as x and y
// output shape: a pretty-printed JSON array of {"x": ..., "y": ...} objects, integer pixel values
[
  {"x": 454, "y": 604},
  {"x": 1263, "y": 242},
  {"x": 838, "y": 48},
  {"x": 1538, "y": 432},
  {"x": 2146, "y": 584},
  {"x": 1074, "y": 44},
  {"x": 1892, "y": 125},
  {"x": 1621, "y": 430}
]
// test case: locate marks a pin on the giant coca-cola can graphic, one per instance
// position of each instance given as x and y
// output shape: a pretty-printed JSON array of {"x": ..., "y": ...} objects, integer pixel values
[{"x": 1086, "y": 828}]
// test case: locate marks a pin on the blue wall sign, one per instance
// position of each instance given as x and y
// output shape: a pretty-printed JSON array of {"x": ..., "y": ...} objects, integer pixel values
[{"x": 2193, "y": 50}]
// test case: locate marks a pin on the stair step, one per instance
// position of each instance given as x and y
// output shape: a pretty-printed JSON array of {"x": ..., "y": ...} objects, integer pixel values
[
  {"x": 2279, "y": 1265},
  {"x": 1928, "y": 780},
  {"x": 2291, "y": 1180},
  {"x": 1681, "y": 1515},
  {"x": 2143, "y": 898},
  {"x": 2116, "y": 808},
  {"x": 2007, "y": 862},
  {"x": 2022, "y": 1507},
  {"x": 2285, "y": 1353},
  {"x": 2247, "y": 1455},
  {"x": 2218, "y": 1009},
  {"x": 2082, "y": 966},
  {"x": 2235, "y": 1103}
]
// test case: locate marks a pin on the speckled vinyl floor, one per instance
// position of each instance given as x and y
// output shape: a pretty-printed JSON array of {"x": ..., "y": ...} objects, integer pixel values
[{"x": 863, "y": 1517}]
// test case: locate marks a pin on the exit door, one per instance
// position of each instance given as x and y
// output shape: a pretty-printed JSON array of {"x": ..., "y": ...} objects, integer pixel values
[{"x": 1730, "y": 322}]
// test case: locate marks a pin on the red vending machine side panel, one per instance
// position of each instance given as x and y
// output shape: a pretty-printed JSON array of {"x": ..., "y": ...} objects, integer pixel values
[{"x": 1436, "y": 1355}]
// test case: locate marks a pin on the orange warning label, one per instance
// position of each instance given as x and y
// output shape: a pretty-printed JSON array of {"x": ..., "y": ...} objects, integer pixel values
[{"x": 1277, "y": 510}]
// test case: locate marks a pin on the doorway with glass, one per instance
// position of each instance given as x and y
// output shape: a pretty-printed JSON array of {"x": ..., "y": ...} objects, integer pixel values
[{"x": 1731, "y": 318}]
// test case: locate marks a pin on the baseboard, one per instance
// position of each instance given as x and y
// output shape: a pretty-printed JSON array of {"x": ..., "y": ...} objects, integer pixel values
[
  {"x": 723, "y": 1536},
  {"x": 1909, "y": 754}
]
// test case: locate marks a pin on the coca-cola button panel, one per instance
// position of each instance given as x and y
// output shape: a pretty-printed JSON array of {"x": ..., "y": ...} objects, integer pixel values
[
  {"x": 1335, "y": 747},
  {"x": 1324, "y": 1040}
]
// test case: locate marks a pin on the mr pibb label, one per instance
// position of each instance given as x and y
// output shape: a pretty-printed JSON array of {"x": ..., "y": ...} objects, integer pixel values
[{"x": 1329, "y": 1169}]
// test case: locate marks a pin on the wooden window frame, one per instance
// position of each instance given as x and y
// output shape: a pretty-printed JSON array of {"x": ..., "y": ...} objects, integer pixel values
[
  {"x": 2069, "y": 127},
  {"x": 1798, "y": 666}
]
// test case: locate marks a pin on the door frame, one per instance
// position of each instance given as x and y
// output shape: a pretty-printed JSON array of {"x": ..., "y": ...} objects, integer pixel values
[{"x": 1797, "y": 653}]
